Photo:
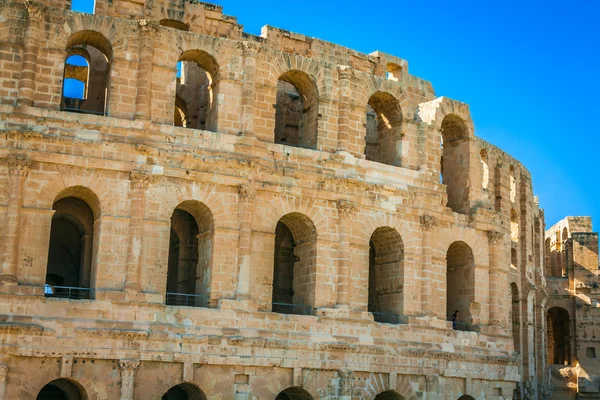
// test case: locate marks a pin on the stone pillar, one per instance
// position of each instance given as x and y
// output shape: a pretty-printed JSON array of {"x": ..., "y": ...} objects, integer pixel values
[
  {"x": 344, "y": 108},
  {"x": 246, "y": 201},
  {"x": 498, "y": 282},
  {"x": 427, "y": 225},
  {"x": 31, "y": 46},
  {"x": 139, "y": 182},
  {"x": 3, "y": 376},
  {"x": 248, "y": 87},
  {"x": 87, "y": 245},
  {"x": 345, "y": 210},
  {"x": 18, "y": 168},
  {"x": 128, "y": 371},
  {"x": 144, "y": 79}
]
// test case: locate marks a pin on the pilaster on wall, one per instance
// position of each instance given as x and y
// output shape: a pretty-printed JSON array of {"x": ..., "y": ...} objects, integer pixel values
[
  {"x": 345, "y": 210},
  {"x": 18, "y": 168},
  {"x": 428, "y": 224},
  {"x": 30, "y": 53},
  {"x": 128, "y": 372},
  {"x": 147, "y": 32}
]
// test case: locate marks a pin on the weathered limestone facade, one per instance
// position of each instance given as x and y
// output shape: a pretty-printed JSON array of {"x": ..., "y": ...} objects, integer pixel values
[{"x": 226, "y": 216}]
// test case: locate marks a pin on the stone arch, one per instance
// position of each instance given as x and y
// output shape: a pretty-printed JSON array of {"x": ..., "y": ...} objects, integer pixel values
[
  {"x": 466, "y": 397},
  {"x": 485, "y": 169},
  {"x": 516, "y": 316},
  {"x": 295, "y": 265},
  {"x": 386, "y": 275},
  {"x": 198, "y": 89},
  {"x": 455, "y": 162},
  {"x": 433, "y": 113},
  {"x": 174, "y": 24},
  {"x": 190, "y": 255},
  {"x": 294, "y": 393},
  {"x": 63, "y": 389},
  {"x": 98, "y": 52},
  {"x": 383, "y": 140},
  {"x": 297, "y": 109},
  {"x": 514, "y": 225},
  {"x": 559, "y": 336},
  {"x": 460, "y": 283},
  {"x": 184, "y": 391},
  {"x": 389, "y": 395}
]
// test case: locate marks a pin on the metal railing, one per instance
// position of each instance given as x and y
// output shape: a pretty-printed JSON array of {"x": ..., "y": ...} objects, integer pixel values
[
  {"x": 466, "y": 327},
  {"x": 187, "y": 300},
  {"x": 388, "y": 317},
  {"x": 286, "y": 308},
  {"x": 68, "y": 292}
]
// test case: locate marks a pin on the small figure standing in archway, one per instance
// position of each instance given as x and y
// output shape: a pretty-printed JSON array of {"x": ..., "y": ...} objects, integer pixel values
[{"x": 454, "y": 319}]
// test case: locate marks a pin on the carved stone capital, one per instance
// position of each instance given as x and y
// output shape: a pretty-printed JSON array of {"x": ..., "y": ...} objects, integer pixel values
[
  {"x": 4, "y": 371},
  {"x": 345, "y": 72},
  {"x": 250, "y": 49},
  {"x": 129, "y": 366},
  {"x": 34, "y": 9},
  {"x": 140, "y": 179},
  {"x": 428, "y": 222},
  {"x": 19, "y": 166},
  {"x": 345, "y": 208},
  {"x": 247, "y": 192},
  {"x": 495, "y": 237},
  {"x": 148, "y": 26}
]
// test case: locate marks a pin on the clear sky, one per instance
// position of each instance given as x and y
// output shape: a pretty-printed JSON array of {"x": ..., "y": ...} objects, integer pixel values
[{"x": 528, "y": 69}]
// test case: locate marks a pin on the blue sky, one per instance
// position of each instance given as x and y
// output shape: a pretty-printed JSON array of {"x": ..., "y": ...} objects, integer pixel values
[{"x": 529, "y": 71}]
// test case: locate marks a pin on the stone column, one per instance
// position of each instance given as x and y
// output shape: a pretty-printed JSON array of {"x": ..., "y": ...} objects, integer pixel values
[
  {"x": 498, "y": 282},
  {"x": 345, "y": 210},
  {"x": 246, "y": 201},
  {"x": 31, "y": 46},
  {"x": 3, "y": 376},
  {"x": 144, "y": 79},
  {"x": 139, "y": 182},
  {"x": 249, "y": 87},
  {"x": 18, "y": 168},
  {"x": 344, "y": 108},
  {"x": 427, "y": 225},
  {"x": 128, "y": 371}
]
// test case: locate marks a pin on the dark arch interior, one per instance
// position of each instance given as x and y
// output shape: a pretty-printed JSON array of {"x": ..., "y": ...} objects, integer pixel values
[
  {"x": 61, "y": 389},
  {"x": 388, "y": 395},
  {"x": 184, "y": 391},
  {"x": 455, "y": 162},
  {"x": 460, "y": 281},
  {"x": 294, "y": 393},
  {"x": 559, "y": 336},
  {"x": 383, "y": 140}
]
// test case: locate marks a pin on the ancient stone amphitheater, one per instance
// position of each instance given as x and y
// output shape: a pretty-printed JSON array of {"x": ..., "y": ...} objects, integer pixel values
[{"x": 188, "y": 211}]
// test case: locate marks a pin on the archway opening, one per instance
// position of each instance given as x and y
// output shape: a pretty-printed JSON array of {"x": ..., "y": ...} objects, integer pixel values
[
  {"x": 383, "y": 140},
  {"x": 196, "y": 101},
  {"x": 86, "y": 73},
  {"x": 388, "y": 395},
  {"x": 296, "y": 110},
  {"x": 70, "y": 253},
  {"x": 294, "y": 393},
  {"x": 514, "y": 225},
  {"x": 516, "y": 316},
  {"x": 190, "y": 255},
  {"x": 559, "y": 336},
  {"x": 386, "y": 275},
  {"x": 485, "y": 170},
  {"x": 460, "y": 284},
  {"x": 184, "y": 391},
  {"x": 455, "y": 162},
  {"x": 62, "y": 389},
  {"x": 295, "y": 260}
]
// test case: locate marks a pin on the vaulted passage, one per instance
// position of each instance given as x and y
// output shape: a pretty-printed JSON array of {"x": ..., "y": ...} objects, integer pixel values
[
  {"x": 296, "y": 110},
  {"x": 460, "y": 283},
  {"x": 71, "y": 249},
  {"x": 388, "y": 395},
  {"x": 184, "y": 391},
  {"x": 197, "y": 88},
  {"x": 455, "y": 162},
  {"x": 383, "y": 141},
  {"x": 86, "y": 73},
  {"x": 295, "y": 257},
  {"x": 559, "y": 336},
  {"x": 294, "y": 393},
  {"x": 61, "y": 389},
  {"x": 190, "y": 255},
  {"x": 386, "y": 275},
  {"x": 516, "y": 316}
]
